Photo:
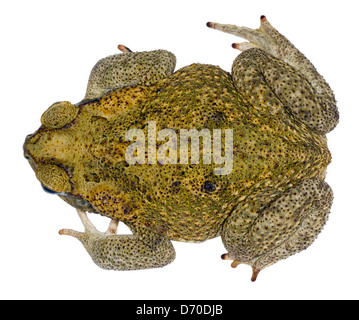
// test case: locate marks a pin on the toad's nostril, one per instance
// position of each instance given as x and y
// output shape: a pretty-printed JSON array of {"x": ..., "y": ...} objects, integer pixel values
[
  {"x": 26, "y": 154},
  {"x": 28, "y": 137}
]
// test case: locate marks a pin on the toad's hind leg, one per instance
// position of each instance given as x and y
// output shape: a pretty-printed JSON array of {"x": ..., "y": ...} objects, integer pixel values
[
  {"x": 271, "y": 72},
  {"x": 142, "y": 250},
  {"x": 269, "y": 227},
  {"x": 129, "y": 69}
]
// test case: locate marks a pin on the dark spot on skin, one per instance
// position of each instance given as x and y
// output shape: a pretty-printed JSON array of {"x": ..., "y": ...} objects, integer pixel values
[
  {"x": 208, "y": 187},
  {"x": 175, "y": 186},
  {"x": 176, "y": 183}
]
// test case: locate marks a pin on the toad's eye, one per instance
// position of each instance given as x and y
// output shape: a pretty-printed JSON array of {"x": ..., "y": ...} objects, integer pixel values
[{"x": 50, "y": 191}]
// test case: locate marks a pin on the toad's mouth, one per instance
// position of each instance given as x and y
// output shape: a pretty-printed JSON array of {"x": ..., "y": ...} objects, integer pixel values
[{"x": 49, "y": 174}]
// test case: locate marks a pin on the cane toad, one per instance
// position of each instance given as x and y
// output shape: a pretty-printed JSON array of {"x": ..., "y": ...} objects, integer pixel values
[{"x": 194, "y": 154}]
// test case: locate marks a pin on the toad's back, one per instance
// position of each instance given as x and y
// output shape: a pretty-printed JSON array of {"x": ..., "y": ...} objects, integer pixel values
[{"x": 186, "y": 201}]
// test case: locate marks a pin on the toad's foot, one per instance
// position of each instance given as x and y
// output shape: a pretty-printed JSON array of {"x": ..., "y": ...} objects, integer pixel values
[
  {"x": 236, "y": 263},
  {"x": 123, "y": 48},
  {"x": 313, "y": 103},
  {"x": 108, "y": 250},
  {"x": 265, "y": 37}
]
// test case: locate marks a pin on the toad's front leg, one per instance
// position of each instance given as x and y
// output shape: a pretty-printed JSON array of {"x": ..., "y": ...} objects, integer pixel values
[
  {"x": 129, "y": 69},
  {"x": 142, "y": 250}
]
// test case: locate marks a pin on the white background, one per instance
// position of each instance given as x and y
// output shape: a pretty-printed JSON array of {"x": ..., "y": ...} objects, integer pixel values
[{"x": 47, "y": 51}]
